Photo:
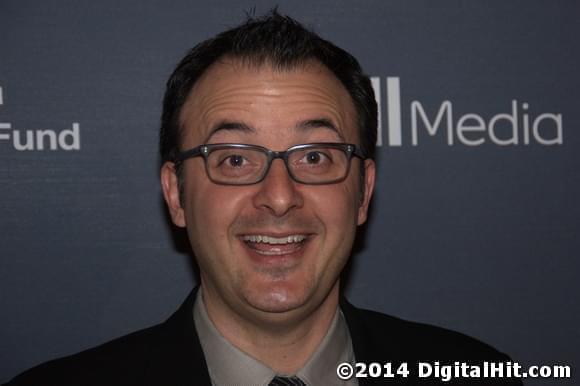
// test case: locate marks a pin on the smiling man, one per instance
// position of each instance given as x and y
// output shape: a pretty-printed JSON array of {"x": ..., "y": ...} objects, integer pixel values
[
  {"x": 271, "y": 234},
  {"x": 267, "y": 141}
]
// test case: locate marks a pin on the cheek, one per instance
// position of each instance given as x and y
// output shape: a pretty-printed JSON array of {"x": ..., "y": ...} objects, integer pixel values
[
  {"x": 337, "y": 206},
  {"x": 210, "y": 210}
]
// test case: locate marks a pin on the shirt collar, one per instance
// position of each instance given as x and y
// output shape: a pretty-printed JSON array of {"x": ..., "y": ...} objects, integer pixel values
[{"x": 228, "y": 365}]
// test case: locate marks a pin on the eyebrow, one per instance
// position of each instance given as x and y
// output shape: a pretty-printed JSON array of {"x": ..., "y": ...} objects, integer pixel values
[
  {"x": 303, "y": 125},
  {"x": 230, "y": 126},
  {"x": 319, "y": 123}
]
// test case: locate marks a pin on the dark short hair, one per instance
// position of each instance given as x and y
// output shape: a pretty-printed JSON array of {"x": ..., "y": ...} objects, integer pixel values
[{"x": 281, "y": 42}]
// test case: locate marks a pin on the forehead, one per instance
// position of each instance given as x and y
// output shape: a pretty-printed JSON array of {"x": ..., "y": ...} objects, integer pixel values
[{"x": 266, "y": 100}]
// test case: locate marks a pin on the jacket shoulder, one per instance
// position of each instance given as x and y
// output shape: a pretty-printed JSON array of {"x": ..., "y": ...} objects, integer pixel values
[
  {"x": 107, "y": 363},
  {"x": 410, "y": 340},
  {"x": 168, "y": 353}
]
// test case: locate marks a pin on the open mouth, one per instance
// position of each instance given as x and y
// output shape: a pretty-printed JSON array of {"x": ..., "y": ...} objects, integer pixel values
[{"x": 275, "y": 246}]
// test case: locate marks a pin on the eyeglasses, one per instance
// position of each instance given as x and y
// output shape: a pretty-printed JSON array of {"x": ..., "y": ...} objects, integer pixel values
[{"x": 240, "y": 164}]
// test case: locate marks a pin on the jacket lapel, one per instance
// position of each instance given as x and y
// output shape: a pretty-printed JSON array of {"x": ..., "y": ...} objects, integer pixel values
[
  {"x": 371, "y": 343},
  {"x": 178, "y": 358}
]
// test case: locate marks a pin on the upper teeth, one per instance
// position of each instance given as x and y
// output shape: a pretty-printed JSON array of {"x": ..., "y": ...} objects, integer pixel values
[{"x": 274, "y": 240}]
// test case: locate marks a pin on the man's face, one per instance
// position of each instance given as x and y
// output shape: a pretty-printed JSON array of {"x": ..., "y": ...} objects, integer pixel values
[{"x": 307, "y": 231}]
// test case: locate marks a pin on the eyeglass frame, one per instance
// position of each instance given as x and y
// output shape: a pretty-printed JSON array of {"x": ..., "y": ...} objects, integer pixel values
[{"x": 204, "y": 150}]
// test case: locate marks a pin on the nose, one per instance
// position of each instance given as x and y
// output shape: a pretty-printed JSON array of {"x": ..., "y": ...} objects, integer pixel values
[{"x": 277, "y": 192}]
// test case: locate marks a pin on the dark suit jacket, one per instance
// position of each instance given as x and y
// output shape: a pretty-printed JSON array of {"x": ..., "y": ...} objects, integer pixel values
[{"x": 170, "y": 354}]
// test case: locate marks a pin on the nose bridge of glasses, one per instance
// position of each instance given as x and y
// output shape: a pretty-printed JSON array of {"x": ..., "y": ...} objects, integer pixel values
[{"x": 283, "y": 157}]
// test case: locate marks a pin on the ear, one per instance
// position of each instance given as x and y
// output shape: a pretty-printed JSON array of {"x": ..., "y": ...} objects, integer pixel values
[
  {"x": 369, "y": 181},
  {"x": 170, "y": 186}
]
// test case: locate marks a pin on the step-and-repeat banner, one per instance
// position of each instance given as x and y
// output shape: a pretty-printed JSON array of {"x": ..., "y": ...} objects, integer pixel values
[{"x": 475, "y": 224}]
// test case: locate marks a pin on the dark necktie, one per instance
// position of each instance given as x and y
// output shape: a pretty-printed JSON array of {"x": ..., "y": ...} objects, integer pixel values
[{"x": 286, "y": 381}]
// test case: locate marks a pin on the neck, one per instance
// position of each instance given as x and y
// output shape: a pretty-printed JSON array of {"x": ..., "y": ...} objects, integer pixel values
[{"x": 282, "y": 341}]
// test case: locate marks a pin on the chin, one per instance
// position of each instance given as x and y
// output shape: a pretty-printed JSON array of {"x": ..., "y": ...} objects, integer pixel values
[{"x": 278, "y": 297}]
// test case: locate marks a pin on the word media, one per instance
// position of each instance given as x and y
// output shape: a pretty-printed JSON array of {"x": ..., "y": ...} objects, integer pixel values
[{"x": 514, "y": 126}]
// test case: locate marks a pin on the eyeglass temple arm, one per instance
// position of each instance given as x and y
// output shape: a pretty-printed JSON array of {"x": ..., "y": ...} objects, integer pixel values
[
  {"x": 358, "y": 153},
  {"x": 180, "y": 157}
]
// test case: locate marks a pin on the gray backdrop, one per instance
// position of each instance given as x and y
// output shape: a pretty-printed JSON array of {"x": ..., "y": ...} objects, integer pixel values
[{"x": 475, "y": 220}]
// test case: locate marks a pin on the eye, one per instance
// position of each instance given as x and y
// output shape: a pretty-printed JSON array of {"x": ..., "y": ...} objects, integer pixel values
[
  {"x": 234, "y": 160},
  {"x": 231, "y": 159},
  {"x": 315, "y": 157}
]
